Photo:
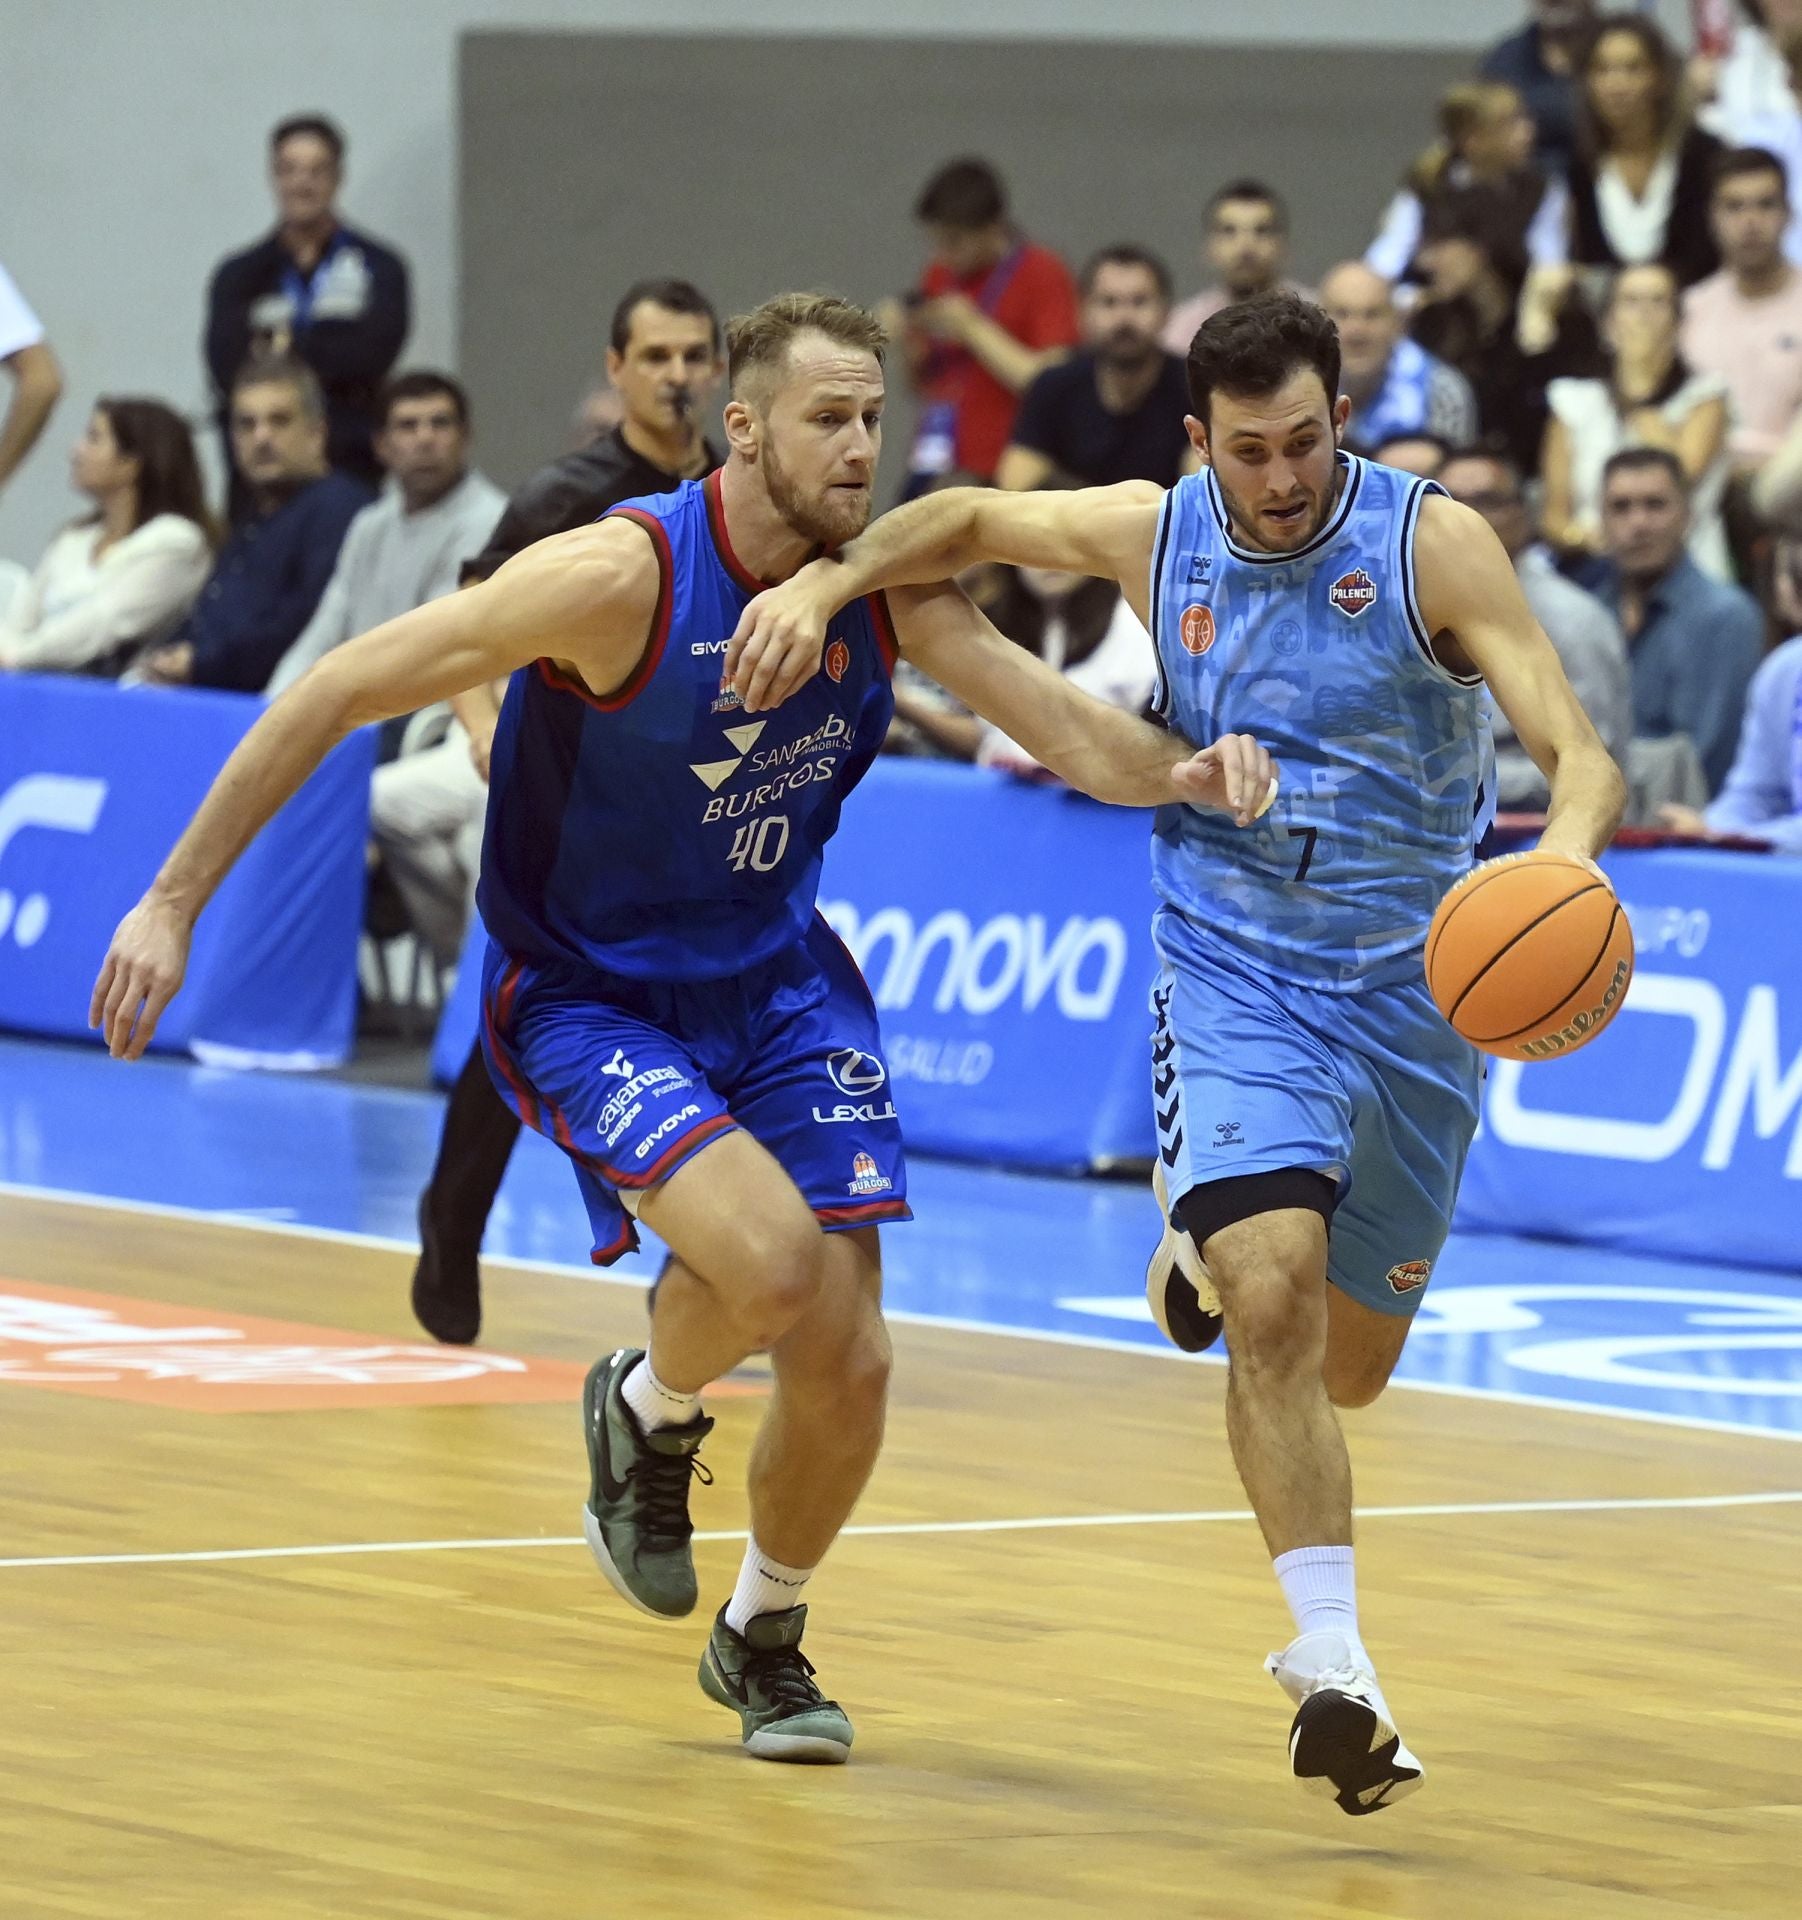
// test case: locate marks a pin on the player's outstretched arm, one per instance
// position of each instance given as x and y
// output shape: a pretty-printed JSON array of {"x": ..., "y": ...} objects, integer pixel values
[
  {"x": 1100, "y": 750},
  {"x": 1107, "y": 531},
  {"x": 1473, "y": 605},
  {"x": 585, "y": 597}
]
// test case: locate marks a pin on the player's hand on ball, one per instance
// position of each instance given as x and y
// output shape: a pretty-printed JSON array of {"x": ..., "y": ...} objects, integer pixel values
[
  {"x": 1235, "y": 775},
  {"x": 776, "y": 647},
  {"x": 143, "y": 973}
]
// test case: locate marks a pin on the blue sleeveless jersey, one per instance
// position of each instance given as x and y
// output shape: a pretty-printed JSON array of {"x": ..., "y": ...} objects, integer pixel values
[
  {"x": 662, "y": 833},
  {"x": 1384, "y": 755}
]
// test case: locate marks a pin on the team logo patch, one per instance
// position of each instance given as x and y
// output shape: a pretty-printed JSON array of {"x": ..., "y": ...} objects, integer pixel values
[
  {"x": 838, "y": 661},
  {"x": 866, "y": 1176},
  {"x": 728, "y": 699},
  {"x": 1353, "y": 593},
  {"x": 1197, "y": 629},
  {"x": 1410, "y": 1276}
]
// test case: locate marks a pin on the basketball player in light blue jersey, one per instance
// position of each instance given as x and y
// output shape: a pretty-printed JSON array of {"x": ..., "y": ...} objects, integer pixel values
[
  {"x": 1313, "y": 1108},
  {"x": 660, "y": 996}
]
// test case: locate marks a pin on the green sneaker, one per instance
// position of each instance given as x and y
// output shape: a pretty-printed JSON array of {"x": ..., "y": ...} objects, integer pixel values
[
  {"x": 763, "y": 1675},
  {"x": 636, "y": 1518}
]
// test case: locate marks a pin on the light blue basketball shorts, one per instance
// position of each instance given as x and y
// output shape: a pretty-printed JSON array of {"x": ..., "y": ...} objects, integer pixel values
[{"x": 1372, "y": 1088}]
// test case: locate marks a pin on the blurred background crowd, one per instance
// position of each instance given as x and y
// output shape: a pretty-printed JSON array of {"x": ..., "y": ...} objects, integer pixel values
[{"x": 1580, "y": 312}]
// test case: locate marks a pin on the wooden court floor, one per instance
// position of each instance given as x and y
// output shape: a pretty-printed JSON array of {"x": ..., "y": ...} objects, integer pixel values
[{"x": 1051, "y": 1720}]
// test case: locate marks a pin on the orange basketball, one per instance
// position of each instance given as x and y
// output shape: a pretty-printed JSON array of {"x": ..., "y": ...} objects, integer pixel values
[{"x": 1529, "y": 956}]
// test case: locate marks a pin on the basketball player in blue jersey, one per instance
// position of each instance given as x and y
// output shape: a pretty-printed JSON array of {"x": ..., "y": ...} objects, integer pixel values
[
  {"x": 660, "y": 997},
  {"x": 1313, "y": 1108}
]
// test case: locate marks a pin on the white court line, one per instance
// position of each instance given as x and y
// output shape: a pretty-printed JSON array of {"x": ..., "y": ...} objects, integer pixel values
[
  {"x": 1048, "y": 1336},
  {"x": 893, "y": 1529}
]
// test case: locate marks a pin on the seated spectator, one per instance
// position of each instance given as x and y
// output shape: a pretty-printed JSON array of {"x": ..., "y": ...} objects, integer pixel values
[
  {"x": 1586, "y": 635},
  {"x": 409, "y": 546},
  {"x": 1642, "y": 175},
  {"x": 1763, "y": 794},
  {"x": 274, "y": 566},
  {"x": 121, "y": 575},
  {"x": 1693, "y": 642},
  {"x": 1777, "y": 130},
  {"x": 1083, "y": 628},
  {"x": 1396, "y": 387},
  {"x": 1743, "y": 325},
  {"x": 314, "y": 288},
  {"x": 992, "y": 312},
  {"x": 1479, "y": 183},
  {"x": 1115, "y": 410},
  {"x": 37, "y": 381},
  {"x": 1247, "y": 247},
  {"x": 1539, "y": 63},
  {"x": 1648, "y": 397},
  {"x": 1747, "y": 84},
  {"x": 1421, "y": 453}
]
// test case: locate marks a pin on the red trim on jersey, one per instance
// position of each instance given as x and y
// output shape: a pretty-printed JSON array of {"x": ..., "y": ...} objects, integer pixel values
[
  {"x": 639, "y": 678},
  {"x": 664, "y": 1163},
  {"x": 605, "y": 1256},
  {"x": 722, "y": 540},
  {"x": 522, "y": 1092},
  {"x": 884, "y": 623},
  {"x": 863, "y": 1216}
]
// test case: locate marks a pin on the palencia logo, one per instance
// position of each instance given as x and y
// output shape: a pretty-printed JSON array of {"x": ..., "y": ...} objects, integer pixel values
[
  {"x": 980, "y": 967},
  {"x": 1755, "y": 1079}
]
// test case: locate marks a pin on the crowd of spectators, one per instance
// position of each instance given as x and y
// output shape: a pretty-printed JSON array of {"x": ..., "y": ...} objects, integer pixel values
[{"x": 1580, "y": 311}]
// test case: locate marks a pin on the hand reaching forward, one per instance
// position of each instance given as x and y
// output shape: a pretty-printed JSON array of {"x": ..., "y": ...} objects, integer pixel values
[
  {"x": 1235, "y": 775},
  {"x": 775, "y": 648},
  {"x": 143, "y": 973}
]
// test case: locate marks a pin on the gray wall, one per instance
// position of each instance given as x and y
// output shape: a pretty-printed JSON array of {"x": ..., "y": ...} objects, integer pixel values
[{"x": 754, "y": 165}]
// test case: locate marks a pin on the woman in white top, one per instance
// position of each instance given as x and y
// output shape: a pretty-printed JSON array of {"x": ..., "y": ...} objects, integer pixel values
[
  {"x": 1650, "y": 398},
  {"x": 126, "y": 572}
]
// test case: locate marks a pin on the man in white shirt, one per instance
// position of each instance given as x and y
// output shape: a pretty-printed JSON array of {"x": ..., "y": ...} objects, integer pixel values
[
  {"x": 1744, "y": 323},
  {"x": 37, "y": 380},
  {"x": 401, "y": 552}
]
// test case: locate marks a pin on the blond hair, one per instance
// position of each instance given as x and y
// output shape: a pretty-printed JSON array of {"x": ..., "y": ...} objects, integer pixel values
[
  {"x": 1462, "y": 110},
  {"x": 758, "y": 342}
]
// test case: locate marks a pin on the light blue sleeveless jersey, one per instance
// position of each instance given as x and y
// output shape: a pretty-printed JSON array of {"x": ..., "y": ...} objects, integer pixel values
[{"x": 1384, "y": 756}]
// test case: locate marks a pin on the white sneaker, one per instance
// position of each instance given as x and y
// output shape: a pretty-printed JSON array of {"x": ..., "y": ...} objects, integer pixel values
[
  {"x": 1343, "y": 1742},
  {"x": 1183, "y": 1300}
]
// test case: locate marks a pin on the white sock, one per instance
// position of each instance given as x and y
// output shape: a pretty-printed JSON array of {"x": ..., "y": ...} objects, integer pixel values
[
  {"x": 764, "y": 1586},
  {"x": 1320, "y": 1586},
  {"x": 655, "y": 1404}
]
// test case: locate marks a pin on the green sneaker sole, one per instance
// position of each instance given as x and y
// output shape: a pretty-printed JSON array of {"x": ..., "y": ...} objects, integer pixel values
[{"x": 791, "y": 1740}]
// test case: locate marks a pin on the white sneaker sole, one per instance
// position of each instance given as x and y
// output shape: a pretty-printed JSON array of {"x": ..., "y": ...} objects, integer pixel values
[
  {"x": 1175, "y": 1266},
  {"x": 597, "y": 1545}
]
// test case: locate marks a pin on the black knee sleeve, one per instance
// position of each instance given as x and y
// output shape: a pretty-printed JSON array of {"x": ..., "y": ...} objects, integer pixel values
[{"x": 1203, "y": 1211}]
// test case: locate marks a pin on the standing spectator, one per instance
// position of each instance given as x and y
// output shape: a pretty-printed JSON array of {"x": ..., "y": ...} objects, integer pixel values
[
  {"x": 36, "y": 379},
  {"x": 1649, "y": 397},
  {"x": 1744, "y": 324},
  {"x": 1693, "y": 642},
  {"x": 408, "y": 547},
  {"x": 1539, "y": 63},
  {"x": 1247, "y": 248},
  {"x": 1585, "y": 634},
  {"x": 992, "y": 313},
  {"x": 1763, "y": 794},
  {"x": 1642, "y": 175},
  {"x": 1479, "y": 183},
  {"x": 119, "y": 576},
  {"x": 274, "y": 566},
  {"x": 663, "y": 360},
  {"x": 1396, "y": 387},
  {"x": 316, "y": 289},
  {"x": 1115, "y": 410},
  {"x": 1748, "y": 85}
]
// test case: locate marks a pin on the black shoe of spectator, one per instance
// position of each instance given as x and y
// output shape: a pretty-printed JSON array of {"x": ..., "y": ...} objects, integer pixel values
[{"x": 447, "y": 1284}]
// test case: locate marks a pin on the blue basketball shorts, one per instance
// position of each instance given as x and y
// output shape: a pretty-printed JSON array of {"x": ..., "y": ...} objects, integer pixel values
[
  {"x": 632, "y": 1078},
  {"x": 1372, "y": 1088}
]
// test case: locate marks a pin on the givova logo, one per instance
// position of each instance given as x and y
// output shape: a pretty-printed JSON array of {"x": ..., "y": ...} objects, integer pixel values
[
  {"x": 980, "y": 968},
  {"x": 57, "y": 803}
]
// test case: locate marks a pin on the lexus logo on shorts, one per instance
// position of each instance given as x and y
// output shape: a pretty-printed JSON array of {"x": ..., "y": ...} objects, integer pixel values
[
  {"x": 1197, "y": 629},
  {"x": 838, "y": 661},
  {"x": 1353, "y": 593},
  {"x": 856, "y": 1073}
]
